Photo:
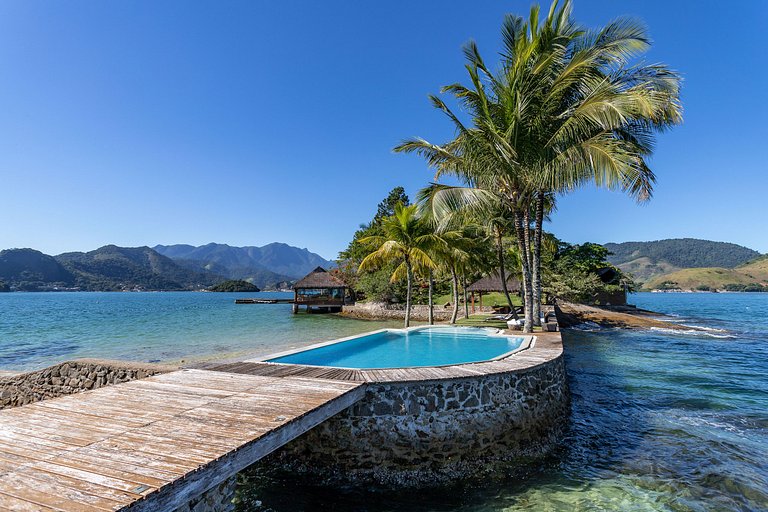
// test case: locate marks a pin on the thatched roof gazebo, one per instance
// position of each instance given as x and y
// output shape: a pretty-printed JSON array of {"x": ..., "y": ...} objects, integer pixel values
[
  {"x": 319, "y": 289},
  {"x": 491, "y": 283}
]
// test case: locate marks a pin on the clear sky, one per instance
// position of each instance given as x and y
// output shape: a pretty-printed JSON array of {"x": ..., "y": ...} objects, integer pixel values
[{"x": 139, "y": 123}]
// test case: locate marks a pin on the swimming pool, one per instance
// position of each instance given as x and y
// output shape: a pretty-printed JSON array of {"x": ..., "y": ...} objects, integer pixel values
[{"x": 403, "y": 348}]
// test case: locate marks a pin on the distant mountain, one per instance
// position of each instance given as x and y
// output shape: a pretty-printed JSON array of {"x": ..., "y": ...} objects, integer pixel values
[
  {"x": 647, "y": 260},
  {"x": 109, "y": 268},
  {"x": 31, "y": 270},
  {"x": 119, "y": 268},
  {"x": 263, "y": 266}
]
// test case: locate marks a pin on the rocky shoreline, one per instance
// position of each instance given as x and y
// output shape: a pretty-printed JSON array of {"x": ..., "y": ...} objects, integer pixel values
[{"x": 628, "y": 317}]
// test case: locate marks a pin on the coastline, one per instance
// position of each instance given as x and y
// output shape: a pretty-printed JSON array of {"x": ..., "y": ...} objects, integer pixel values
[{"x": 570, "y": 314}]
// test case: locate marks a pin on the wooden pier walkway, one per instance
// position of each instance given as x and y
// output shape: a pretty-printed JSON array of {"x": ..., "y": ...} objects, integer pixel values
[{"x": 154, "y": 444}]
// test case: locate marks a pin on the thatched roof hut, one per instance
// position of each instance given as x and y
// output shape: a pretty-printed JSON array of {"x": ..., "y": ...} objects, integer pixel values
[
  {"x": 319, "y": 278},
  {"x": 492, "y": 283},
  {"x": 319, "y": 290}
]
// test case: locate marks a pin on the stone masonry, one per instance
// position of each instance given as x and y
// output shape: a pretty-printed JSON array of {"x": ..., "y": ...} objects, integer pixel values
[
  {"x": 414, "y": 433},
  {"x": 71, "y": 377}
]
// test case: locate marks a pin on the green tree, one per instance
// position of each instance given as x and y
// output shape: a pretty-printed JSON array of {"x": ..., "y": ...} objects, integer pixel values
[
  {"x": 565, "y": 109},
  {"x": 405, "y": 241}
]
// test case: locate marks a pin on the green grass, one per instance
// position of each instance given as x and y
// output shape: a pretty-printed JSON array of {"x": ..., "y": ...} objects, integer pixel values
[{"x": 478, "y": 320}]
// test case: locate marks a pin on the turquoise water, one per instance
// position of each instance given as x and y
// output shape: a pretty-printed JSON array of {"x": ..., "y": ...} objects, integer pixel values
[
  {"x": 661, "y": 421},
  {"x": 429, "y": 346},
  {"x": 669, "y": 421},
  {"x": 39, "y": 329}
]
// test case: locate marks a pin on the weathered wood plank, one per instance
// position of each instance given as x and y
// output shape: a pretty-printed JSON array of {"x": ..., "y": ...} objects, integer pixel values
[{"x": 157, "y": 442}]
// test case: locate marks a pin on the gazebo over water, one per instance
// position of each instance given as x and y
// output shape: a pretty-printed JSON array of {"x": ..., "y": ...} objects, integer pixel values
[
  {"x": 319, "y": 289},
  {"x": 489, "y": 284}
]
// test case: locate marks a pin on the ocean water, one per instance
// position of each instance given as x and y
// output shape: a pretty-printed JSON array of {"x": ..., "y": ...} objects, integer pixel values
[
  {"x": 661, "y": 421},
  {"x": 40, "y": 329}
]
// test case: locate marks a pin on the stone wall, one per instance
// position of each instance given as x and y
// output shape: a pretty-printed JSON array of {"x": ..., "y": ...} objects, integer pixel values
[
  {"x": 434, "y": 431},
  {"x": 380, "y": 311},
  {"x": 71, "y": 377},
  {"x": 219, "y": 498}
]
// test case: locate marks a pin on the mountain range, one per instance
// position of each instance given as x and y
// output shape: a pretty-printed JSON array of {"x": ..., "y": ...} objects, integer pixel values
[
  {"x": 183, "y": 267},
  {"x": 262, "y": 266},
  {"x": 689, "y": 264}
]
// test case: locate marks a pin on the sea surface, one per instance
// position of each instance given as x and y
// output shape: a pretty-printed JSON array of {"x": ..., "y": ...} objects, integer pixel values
[
  {"x": 40, "y": 329},
  {"x": 661, "y": 420}
]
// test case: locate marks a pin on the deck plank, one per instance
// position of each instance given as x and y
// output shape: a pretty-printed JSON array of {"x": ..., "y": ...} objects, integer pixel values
[{"x": 126, "y": 444}]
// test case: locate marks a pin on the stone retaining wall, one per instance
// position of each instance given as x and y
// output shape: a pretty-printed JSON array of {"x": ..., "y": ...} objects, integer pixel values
[
  {"x": 380, "y": 311},
  {"x": 415, "y": 433},
  {"x": 71, "y": 377}
]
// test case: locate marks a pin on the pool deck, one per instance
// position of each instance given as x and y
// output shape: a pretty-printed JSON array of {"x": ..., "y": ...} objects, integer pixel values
[
  {"x": 156, "y": 443},
  {"x": 547, "y": 346}
]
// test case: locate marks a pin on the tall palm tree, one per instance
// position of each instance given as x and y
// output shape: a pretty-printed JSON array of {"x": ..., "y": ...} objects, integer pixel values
[
  {"x": 406, "y": 240},
  {"x": 565, "y": 109}
]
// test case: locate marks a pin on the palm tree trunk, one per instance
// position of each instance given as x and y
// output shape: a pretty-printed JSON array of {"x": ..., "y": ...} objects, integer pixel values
[
  {"x": 466, "y": 298},
  {"x": 527, "y": 222},
  {"x": 408, "y": 293},
  {"x": 524, "y": 261},
  {"x": 536, "y": 270},
  {"x": 502, "y": 272},
  {"x": 455, "y": 283},
  {"x": 431, "y": 301}
]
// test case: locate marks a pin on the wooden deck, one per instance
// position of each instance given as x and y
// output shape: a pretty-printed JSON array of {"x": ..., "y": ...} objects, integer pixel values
[
  {"x": 155, "y": 443},
  {"x": 547, "y": 346}
]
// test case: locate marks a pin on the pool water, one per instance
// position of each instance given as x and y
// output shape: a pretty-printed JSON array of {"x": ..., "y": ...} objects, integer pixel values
[{"x": 421, "y": 346}]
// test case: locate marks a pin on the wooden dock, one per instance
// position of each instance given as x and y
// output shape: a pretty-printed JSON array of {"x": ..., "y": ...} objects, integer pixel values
[{"x": 154, "y": 444}]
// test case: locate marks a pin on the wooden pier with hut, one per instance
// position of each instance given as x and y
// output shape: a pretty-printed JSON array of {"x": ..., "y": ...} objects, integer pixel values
[{"x": 320, "y": 291}]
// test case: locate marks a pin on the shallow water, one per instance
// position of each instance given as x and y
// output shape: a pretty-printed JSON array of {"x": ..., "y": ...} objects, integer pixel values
[
  {"x": 40, "y": 329},
  {"x": 660, "y": 421}
]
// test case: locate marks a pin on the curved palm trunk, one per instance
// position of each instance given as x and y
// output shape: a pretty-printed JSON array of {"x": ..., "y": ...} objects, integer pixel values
[
  {"x": 455, "y": 284},
  {"x": 431, "y": 299},
  {"x": 524, "y": 259},
  {"x": 536, "y": 270},
  {"x": 408, "y": 293},
  {"x": 466, "y": 298},
  {"x": 502, "y": 271}
]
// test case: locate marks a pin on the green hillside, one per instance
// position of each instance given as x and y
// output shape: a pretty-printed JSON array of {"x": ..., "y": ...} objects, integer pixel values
[
  {"x": 748, "y": 277},
  {"x": 645, "y": 261},
  {"x": 120, "y": 268},
  {"x": 756, "y": 269}
]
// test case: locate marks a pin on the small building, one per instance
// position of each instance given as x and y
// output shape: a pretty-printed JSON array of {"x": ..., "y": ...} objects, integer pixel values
[
  {"x": 319, "y": 291},
  {"x": 489, "y": 284}
]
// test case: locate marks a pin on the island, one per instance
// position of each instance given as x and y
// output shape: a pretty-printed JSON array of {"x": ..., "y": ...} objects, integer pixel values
[{"x": 234, "y": 285}]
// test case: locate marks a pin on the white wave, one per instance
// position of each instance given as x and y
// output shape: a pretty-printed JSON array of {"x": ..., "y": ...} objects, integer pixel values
[
  {"x": 693, "y": 332},
  {"x": 587, "y": 326}
]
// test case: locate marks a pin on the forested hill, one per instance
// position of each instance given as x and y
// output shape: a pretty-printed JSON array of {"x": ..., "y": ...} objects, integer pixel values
[
  {"x": 683, "y": 252},
  {"x": 109, "y": 268}
]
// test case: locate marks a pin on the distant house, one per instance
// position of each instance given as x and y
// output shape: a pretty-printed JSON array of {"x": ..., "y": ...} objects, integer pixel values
[
  {"x": 489, "y": 284},
  {"x": 319, "y": 291}
]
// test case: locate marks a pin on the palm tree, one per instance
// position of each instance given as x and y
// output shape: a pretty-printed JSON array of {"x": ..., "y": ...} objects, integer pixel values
[
  {"x": 406, "y": 240},
  {"x": 565, "y": 109}
]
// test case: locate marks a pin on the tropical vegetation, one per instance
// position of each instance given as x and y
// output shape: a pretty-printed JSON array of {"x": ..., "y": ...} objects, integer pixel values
[{"x": 566, "y": 107}]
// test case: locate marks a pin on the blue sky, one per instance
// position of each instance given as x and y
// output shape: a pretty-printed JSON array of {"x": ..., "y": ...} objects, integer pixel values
[{"x": 138, "y": 123}]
